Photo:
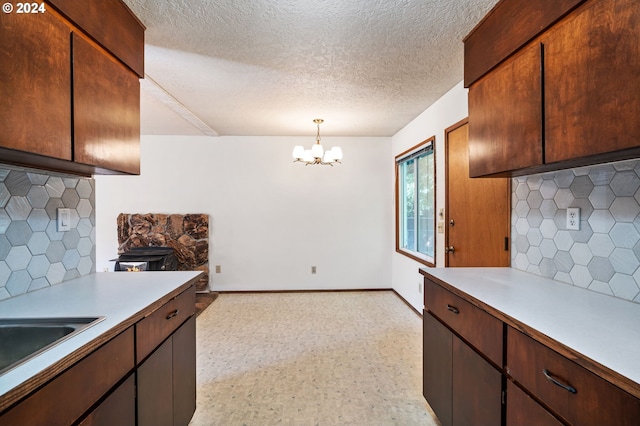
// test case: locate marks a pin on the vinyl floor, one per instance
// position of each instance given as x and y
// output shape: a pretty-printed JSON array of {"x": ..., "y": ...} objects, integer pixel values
[{"x": 315, "y": 358}]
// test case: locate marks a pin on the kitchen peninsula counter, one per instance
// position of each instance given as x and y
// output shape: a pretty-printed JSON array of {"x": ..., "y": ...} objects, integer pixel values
[
  {"x": 121, "y": 298},
  {"x": 599, "y": 332}
]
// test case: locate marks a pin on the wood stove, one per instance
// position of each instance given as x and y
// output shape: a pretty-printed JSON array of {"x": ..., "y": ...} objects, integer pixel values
[{"x": 146, "y": 259}]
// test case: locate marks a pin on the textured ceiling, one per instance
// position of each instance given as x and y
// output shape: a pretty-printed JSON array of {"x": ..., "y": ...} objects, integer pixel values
[{"x": 269, "y": 67}]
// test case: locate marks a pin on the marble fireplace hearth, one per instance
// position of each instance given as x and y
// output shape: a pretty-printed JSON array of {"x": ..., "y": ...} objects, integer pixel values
[{"x": 187, "y": 235}]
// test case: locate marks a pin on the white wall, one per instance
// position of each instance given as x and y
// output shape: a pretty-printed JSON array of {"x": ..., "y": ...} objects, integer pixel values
[
  {"x": 445, "y": 112},
  {"x": 271, "y": 219}
]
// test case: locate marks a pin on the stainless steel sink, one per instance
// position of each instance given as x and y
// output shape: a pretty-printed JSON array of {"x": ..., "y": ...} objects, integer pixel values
[{"x": 23, "y": 338}]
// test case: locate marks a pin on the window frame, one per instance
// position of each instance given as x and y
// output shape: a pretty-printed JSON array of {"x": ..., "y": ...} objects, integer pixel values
[{"x": 428, "y": 145}]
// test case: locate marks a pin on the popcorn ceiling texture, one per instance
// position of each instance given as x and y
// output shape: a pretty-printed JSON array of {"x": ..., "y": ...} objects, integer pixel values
[
  {"x": 268, "y": 68},
  {"x": 33, "y": 254},
  {"x": 604, "y": 255}
]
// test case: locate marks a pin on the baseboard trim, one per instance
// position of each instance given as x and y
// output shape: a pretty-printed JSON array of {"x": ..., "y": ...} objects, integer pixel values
[{"x": 323, "y": 291}]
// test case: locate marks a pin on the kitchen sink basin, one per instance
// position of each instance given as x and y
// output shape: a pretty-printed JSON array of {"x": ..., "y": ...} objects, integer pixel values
[{"x": 23, "y": 338}]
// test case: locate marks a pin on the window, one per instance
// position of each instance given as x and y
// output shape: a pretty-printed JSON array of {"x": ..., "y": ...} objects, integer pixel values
[{"x": 416, "y": 203}]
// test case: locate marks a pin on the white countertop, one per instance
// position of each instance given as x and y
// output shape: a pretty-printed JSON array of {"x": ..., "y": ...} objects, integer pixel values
[
  {"x": 600, "y": 327},
  {"x": 116, "y": 296}
]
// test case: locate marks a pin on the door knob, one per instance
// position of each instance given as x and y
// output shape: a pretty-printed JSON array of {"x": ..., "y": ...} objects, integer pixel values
[
  {"x": 451, "y": 222},
  {"x": 450, "y": 249}
]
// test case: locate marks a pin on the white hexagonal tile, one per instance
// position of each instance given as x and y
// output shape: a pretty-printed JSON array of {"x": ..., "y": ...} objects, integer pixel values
[
  {"x": 602, "y": 175},
  {"x": 38, "y": 220},
  {"x": 563, "y": 240},
  {"x": 38, "y": 243},
  {"x": 520, "y": 261},
  {"x": 581, "y": 187},
  {"x": 548, "y": 189},
  {"x": 563, "y": 277},
  {"x": 521, "y": 208},
  {"x": 85, "y": 266},
  {"x": 84, "y": 208},
  {"x": 624, "y": 261},
  {"x": 548, "y": 249},
  {"x": 85, "y": 246},
  {"x": 580, "y": 276},
  {"x": 521, "y": 244},
  {"x": 521, "y": 189},
  {"x": 18, "y": 258},
  {"x": 37, "y": 284},
  {"x": 38, "y": 197},
  {"x": 18, "y": 233},
  {"x": 601, "y": 221},
  {"x": 522, "y": 226},
  {"x": 624, "y": 209},
  {"x": 84, "y": 227},
  {"x": 84, "y": 188},
  {"x": 602, "y": 197},
  {"x": 534, "y": 182},
  {"x": 624, "y": 235},
  {"x": 38, "y": 266},
  {"x": 564, "y": 198},
  {"x": 56, "y": 272},
  {"x": 581, "y": 254},
  {"x": 18, "y": 282},
  {"x": 548, "y": 209},
  {"x": 548, "y": 228},
  {"x": 624, "y": 286},
  {"x": 17, "y": 183},
  {"x": 601, "y": 245},
  {"x": 4, "y": 294},
  {"x": 534, "y": 199},
  {"x": 55, "y": 187},
  {"x": 563, "y": 261},
  {"x": 534, "y": 236},
  {"x": 71, "y": 259},
  {"x": 563, "y": 178},
  {"x": 37, "y": 178},
  {"x": 601, "y": 287},
  {"x": 4, "y": 273},
  {"x": 601, "y": 269},
  {"x": 534, "y": 256}
]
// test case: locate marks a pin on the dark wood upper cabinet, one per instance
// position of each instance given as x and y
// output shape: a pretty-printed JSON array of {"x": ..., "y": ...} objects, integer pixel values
[
  {"x": 592, "y": 76},
  {"x": 564, "y": 99},
  {"x": 71, "y": 88},
  {"x": 112, "y": 25},
  {"x": 35, "y": 70},
  {"x": 505, "y": 116},
  {"x": 106, "y": 104}
]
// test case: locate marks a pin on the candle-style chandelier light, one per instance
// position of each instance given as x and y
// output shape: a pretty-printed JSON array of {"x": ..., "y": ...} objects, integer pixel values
[{"x": 317, "y": 154}]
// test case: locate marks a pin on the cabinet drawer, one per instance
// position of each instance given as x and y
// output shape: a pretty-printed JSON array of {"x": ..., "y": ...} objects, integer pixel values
[
  {"x": 587, "y": 399},
  {"x": 474, "y": 325},
  {"x": 152, "y": 330},
  {"x": 63, "y": 400}
]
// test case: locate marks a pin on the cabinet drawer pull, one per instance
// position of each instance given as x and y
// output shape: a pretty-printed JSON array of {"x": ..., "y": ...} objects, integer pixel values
[
  {"x": 453, "y": 309},
  {"x": 173, "y": 314},
  {"x": 555, "y": 381}
]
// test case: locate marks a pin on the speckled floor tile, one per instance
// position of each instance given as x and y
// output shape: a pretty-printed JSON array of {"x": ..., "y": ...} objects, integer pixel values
[{"x": 328, "y": 358}]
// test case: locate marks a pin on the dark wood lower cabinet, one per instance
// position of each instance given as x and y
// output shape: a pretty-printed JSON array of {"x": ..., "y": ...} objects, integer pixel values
[
  {"x": 437, "y": 372},
  {"x": 166, "y": 381},
  {"x": 477, "y": 388},
  {"x": 461, "y": 387},
  {"x": 119, "y": 408},
  {"x": 522, "y": 410}
]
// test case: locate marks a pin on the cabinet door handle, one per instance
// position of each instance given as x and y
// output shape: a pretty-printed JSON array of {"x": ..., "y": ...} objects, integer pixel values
[
  {"x": 453, "y": 309},
  {"x": 556, "y": 382},
  {"x": 173, "y": 314}
]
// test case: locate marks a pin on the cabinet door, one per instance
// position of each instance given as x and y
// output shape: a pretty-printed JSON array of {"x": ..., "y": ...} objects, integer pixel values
[
  {"x": 592, "y": 70},
  {"x": 522, "y": 410},
  {"x": 35, "y": 92},
  {"x": 437, "y": 367},
  {"x": 155, "y": 388},
  {"x": 106, "y": 110},
  {"x": 184, "y": 373},
  {"x": 477, "y": 388},
  {"x": 505, "y": 116},
  {"x": 119, "y": 408}
]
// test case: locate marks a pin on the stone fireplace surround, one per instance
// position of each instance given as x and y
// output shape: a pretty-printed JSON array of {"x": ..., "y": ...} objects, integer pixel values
[{"x": 186, "y": 234}]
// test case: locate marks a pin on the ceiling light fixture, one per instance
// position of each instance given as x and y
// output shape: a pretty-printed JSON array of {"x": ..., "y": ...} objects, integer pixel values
[{"x": 317, "y": 154}]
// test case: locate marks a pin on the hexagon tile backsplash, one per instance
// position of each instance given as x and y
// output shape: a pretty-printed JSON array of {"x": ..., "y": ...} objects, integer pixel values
[
  {"x": 33, "y": 254},
  {"x": 604, "y": 254}
]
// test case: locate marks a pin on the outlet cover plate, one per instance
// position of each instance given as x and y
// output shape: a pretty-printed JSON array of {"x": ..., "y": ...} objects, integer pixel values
[{"x": 573, "y": 218}]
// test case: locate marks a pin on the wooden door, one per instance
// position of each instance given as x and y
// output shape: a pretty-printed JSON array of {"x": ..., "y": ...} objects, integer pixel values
[
  {"x": 592, "y": 75},
  {"x": 478, "y": 215},
  {"x": 155, "y": 388},
  {"x": 505, "y": 116}
]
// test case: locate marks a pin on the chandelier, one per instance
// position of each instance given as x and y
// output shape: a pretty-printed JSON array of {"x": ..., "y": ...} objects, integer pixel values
[{"x": 317, "y": 154}]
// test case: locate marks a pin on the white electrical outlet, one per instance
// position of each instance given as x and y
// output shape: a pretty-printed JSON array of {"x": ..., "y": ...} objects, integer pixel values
[{"x": 573, "y": 218}]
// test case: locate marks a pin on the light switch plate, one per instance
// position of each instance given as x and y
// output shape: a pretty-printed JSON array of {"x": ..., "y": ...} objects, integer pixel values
[{"x": 64, "y": 219}]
